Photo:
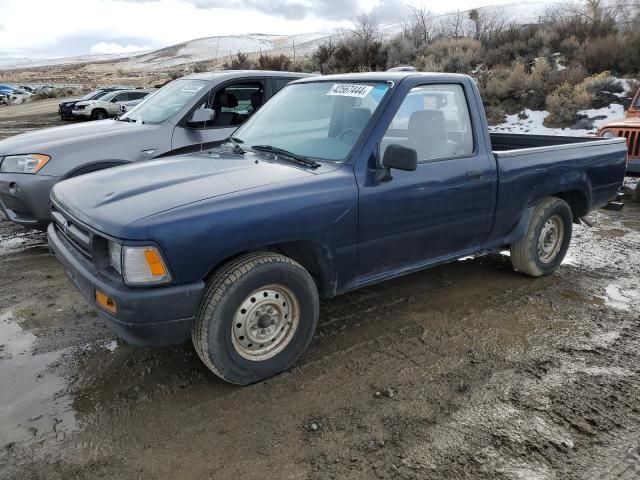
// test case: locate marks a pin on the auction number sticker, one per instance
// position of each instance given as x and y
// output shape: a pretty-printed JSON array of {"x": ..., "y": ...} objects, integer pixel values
[
  {"x": 192, "y": 88},
  {"x": 350, "y": 90}
]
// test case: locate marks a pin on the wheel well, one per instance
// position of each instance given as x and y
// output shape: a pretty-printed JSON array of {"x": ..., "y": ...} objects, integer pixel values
[
  {"x": 94, "y": 167},
  {"x": 576, "y": 200},
  {"x": 315, "y": 258}
]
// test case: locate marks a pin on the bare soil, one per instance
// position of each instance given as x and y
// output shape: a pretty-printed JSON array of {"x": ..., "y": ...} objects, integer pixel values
[{"x": 469, "y": 370}]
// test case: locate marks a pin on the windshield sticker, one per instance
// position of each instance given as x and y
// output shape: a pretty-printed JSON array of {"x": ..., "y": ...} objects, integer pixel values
[
  {"x": 192, "y": 88},
  {"x": 350, "y": 90}
]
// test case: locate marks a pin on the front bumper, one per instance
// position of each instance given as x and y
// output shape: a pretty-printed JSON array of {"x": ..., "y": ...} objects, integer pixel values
[
  {"x": 633, "y": 167},
  {"x": 145, "y": 316},
  {"x": 24, "y": 198},
  {"x": 65, "y": 111},
  {"x": 81, "y": 113}
]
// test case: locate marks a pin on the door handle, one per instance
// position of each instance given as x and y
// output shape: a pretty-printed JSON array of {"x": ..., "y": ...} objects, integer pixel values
[{"x": 474, "y": 175}]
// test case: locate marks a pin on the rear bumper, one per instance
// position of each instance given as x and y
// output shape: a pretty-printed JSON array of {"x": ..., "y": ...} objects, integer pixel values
[
  {"x": 24, "y": 198},
  {"x": 145, "y": 316}
]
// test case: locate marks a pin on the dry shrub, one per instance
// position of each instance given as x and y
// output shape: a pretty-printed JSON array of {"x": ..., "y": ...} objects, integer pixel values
[
  {"x": 563, "y": 105},
  {"x": 603, "y": 82},
  {"x": 52, "y": 93},
  {"x": 634, "y": 86},
  {"x": 454, "y": 55}
]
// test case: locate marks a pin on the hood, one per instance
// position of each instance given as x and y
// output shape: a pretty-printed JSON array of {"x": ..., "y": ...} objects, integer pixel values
[
  {"x": 42, "y": 141},
  {"x": 111, "y": 199},
  {"x": 629, "y": 122}
]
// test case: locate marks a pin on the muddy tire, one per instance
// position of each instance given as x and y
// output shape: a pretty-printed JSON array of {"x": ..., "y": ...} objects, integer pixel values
[
  {"x": 544, "y": 245},
  {"x": 98, "y": 114},
  {"x": 257, "y": 317}
]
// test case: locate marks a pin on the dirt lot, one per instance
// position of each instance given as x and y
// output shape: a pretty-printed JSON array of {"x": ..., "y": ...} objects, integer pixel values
[
  {"x": 469, "y": 370},
  {"x": 15, "y": 119}
]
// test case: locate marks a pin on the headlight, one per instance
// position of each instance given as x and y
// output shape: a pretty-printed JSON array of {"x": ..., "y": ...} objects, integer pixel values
[
  {"x": 608, "y": 134},
  {"x": 30, "y": 163},
  {"x": 139, "y": 265}
]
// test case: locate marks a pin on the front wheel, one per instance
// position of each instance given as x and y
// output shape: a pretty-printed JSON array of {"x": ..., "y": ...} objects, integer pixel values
[
  {"x": 256, "y": 318},
  {"x": 544, "y": 245},
  {"x": 98, "y": 114}
]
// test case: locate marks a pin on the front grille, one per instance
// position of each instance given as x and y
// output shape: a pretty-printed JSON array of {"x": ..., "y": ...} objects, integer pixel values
[
  {"x": 633, "y": 141},
  {"x": 72, "y": 231}
]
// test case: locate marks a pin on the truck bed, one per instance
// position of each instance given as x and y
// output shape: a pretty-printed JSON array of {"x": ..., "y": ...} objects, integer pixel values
[
  {"x": 587, "y": 169},
  {"x": 501, "y": 142}
]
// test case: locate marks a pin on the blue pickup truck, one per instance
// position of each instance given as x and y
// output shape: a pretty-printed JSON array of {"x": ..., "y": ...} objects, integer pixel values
[{"x": 336, "y": 183}]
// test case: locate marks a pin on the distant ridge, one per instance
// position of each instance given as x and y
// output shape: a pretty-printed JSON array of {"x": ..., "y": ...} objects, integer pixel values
[{"x": 219, "y": 48}]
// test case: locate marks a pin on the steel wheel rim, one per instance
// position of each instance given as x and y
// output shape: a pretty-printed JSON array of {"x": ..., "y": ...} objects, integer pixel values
[
  {"x": 551, "y": 238},
  {"x": 265, "y": 322}
]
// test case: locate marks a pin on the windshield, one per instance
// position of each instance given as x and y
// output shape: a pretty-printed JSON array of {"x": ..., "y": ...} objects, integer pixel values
[
  {"x": 90, "y": 95},
  {"x": 161, "y": 105},
  {"x": 322, "y": 120}
]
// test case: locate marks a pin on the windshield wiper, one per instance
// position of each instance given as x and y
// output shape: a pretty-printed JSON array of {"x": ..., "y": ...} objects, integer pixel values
[
  {"x": 310, "y": 162},
  {"x": 127, "y": 119}
]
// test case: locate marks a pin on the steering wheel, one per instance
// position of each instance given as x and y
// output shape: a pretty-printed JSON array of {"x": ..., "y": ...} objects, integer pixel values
[{"x": 348, "y": 131}]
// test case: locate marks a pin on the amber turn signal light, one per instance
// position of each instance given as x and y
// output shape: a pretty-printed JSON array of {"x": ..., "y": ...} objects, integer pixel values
[{"x": 106, "y": 302}]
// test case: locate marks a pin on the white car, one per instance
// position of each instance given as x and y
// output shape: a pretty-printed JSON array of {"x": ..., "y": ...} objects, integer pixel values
[{"x": 107, "y": 105}]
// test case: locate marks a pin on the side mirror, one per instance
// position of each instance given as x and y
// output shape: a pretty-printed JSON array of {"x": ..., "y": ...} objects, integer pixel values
[
  {"x": 199, "y": 118},
  {"x": 627, "y": 103},
  {"x": 398, "y": 157}
]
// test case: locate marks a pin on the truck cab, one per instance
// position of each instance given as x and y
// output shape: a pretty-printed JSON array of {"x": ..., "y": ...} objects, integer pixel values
[{"x": 628, "y": 128}]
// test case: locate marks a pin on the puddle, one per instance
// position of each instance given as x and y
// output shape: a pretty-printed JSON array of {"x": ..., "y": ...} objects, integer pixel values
[{"x": 31, "y": 400}]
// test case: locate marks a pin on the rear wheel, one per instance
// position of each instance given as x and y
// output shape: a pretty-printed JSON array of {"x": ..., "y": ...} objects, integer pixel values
[
  {"x": 257, "y": 317},
  {"x": 544, "y": 245}
]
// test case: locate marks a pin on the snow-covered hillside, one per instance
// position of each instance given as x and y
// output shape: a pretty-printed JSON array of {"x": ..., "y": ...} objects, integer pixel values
[{"x": 219, "y": 47}]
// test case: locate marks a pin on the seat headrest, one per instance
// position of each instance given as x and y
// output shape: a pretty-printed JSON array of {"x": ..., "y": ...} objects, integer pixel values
[
  {"x": 228, "y": 100},
  {"x": 427, "y": 119},
  {"x": 256, "y": 100},
  {"x": 356, "y": 118}
]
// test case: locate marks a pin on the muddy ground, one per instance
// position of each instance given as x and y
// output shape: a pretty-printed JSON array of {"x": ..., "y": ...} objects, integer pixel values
[{"x": 468, "y": 370}]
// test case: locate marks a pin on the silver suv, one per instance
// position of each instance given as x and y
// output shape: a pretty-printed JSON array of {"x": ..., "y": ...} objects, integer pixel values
[
  {"x": 196, "y": 112},
  {"x": 107, "y": 105}
]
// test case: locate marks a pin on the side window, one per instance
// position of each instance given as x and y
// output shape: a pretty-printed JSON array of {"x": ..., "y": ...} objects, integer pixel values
[
  {"x": 121, "y": 97},
  {"x": 137, "y": 95},
  {"x": 434, "y": 120},
  {"x": 234, "y": 103}
]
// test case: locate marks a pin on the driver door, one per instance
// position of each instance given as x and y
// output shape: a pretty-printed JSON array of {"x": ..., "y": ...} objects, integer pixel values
[{"x": 232, "y": 103}]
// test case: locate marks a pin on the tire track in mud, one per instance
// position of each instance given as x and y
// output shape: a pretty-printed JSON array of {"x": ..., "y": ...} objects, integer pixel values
[{"x": 465, "y": 371}]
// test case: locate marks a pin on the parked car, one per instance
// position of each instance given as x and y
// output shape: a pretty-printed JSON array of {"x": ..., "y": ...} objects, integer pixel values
[
  {"x": 65, "y": 107},
  {"x": 324, "y": 190},
  {"x": 107, "y": 105},
  {"x": 170, "y": 121},
  {"x": 14, "y": 96},
  {"x": 629, "y": 129},
  {"x": 128, "y": 106}
]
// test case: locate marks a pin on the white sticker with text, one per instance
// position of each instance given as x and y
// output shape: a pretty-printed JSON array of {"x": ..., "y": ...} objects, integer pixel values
[{"x": 350, "y": 90}]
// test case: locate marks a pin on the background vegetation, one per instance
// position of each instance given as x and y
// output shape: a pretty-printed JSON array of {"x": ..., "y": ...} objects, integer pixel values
[{"x": 564, "y": 62}]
